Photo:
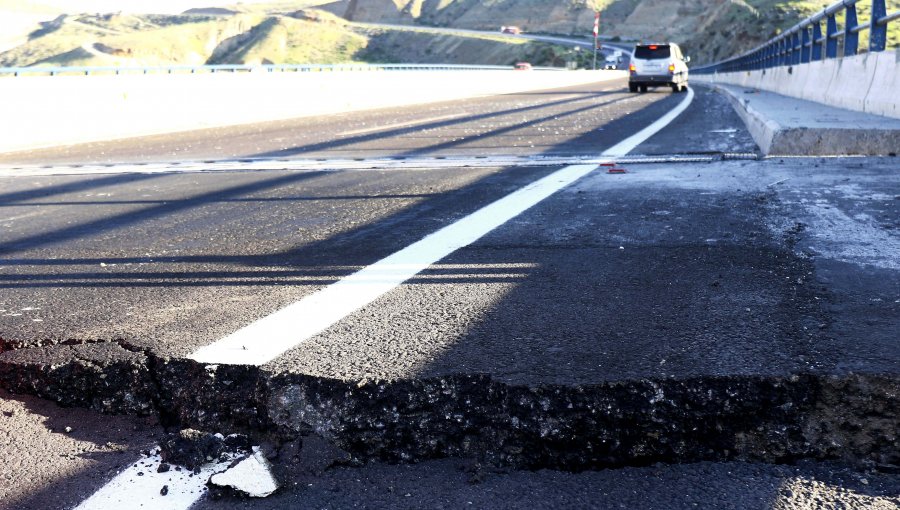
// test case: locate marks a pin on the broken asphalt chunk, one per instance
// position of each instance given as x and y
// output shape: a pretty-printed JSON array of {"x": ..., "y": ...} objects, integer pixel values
[{"x": 248, "y": 477}]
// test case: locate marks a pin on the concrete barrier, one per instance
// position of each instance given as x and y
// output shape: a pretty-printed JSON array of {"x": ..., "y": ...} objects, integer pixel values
[
  {"x": 882, "y": 98},
  {"x": 851, "y": 82},
  {"x": 819, "y": 79},
  {"x": 865, "y": 83},
  {"x": 50, "y": 111}
]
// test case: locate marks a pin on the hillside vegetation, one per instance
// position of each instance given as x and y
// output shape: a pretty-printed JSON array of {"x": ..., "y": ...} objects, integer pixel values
[
  {"x": 708, "y": 29},
  {"x": 276, "y": 33}
]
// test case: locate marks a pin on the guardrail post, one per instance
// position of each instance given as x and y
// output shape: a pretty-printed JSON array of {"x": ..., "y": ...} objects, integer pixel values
[
  {"x": 851, "y": 36},
  {"x": 816, "y": 41},
  {"x": 878, "y": 33},
  {"x": 795, "y": 48},
  {"x": 804, "y": 45},
  {"x": 831, "y": 41}
]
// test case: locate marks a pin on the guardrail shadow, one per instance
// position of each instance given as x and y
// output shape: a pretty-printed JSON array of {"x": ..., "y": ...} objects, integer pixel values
[
  {"x": 73, "y": 186},
  {"x": 389, "y": 134},
  {"x": 355, "y": 248},
  {"x": 103, "y": 444}
]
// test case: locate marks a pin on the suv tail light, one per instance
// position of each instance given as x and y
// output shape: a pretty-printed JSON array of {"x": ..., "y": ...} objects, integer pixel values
[
  {"x": 672, "y": 68},
  {"x": 632, "y": 68}
]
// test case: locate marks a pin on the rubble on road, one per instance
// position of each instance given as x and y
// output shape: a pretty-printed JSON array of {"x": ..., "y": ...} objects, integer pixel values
[{"x": 193, "y": 448}]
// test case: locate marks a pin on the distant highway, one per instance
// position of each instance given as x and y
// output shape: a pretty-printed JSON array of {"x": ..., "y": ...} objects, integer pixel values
[{"x": 583, "y": 42}]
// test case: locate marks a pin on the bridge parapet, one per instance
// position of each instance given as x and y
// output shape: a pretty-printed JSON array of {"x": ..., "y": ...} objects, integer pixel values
[
  {"x": 827, "y": 66},
  {"x": 805, "y": 42}
]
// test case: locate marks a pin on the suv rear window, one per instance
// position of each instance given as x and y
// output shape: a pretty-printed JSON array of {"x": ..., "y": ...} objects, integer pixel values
[{"x": 652, "y": 51}]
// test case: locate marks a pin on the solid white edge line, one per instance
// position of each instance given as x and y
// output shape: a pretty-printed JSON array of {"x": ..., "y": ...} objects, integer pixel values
[
  {"x": 627, "y": 145},
  {"x": 265, "y": 339}
]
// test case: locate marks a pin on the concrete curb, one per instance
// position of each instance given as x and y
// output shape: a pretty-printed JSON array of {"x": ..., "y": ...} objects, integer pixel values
[
  {"x": 761, "y": 129},
  {"x": 881, "y": 137}
]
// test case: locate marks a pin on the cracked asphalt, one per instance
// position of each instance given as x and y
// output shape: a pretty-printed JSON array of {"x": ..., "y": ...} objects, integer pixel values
[{"x": 671, "y": 271}]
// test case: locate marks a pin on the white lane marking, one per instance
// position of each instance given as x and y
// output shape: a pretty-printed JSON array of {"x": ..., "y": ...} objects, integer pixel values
[
  {"x": 375, "y": 129},
  {"x": 267, "y": 338},
  {"x": 627, "y": 145},
  {"x": 128, "y": 489}
]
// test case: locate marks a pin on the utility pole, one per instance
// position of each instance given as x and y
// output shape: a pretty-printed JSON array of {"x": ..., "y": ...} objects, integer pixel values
[{"x": 596, "y": 35}]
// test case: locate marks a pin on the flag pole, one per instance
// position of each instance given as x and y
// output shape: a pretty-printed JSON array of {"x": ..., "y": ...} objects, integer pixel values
[{"x": 596, "y": 35}]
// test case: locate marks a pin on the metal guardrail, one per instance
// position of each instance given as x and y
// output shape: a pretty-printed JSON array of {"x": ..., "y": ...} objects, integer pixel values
[
  {"x": 805, "y": 41},
  {"x": 211, "y": 69}
]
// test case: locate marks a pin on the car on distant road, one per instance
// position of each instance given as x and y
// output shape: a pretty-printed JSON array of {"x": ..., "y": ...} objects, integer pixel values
[
  {"x": 658, "y": 65},
  {"x": 511, "y": 30},
  {"x": 612, "y": 62},
  {"x": 522, "y": 66}
]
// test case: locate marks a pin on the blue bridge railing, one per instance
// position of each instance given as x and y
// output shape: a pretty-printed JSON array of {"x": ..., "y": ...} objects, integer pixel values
[
  {"x": 210, "y": 69},
  {"x": 807, "y": 42}
]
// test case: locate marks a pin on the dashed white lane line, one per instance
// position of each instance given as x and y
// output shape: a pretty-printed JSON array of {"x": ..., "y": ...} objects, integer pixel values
[
  {"x": 141, "y": 486},
  {"x": 375, "y": 129},
  {"x": 267, "y": 338}
]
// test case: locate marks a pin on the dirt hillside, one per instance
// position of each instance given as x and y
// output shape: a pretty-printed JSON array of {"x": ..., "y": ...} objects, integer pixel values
[
  {"x": 708, "y": 29},
  {"x": 288, "y": 31},
  {"x": 305, "y": 36}
]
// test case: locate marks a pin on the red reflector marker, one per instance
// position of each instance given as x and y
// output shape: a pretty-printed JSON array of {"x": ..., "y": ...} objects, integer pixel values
[{"x": 616, "y": 171}]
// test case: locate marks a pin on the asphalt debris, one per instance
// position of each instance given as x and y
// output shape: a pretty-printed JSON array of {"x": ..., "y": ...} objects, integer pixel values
[{"x": 193, "y": 448}]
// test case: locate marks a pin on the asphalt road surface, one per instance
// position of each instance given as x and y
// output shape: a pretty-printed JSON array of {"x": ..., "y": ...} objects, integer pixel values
[
  {"x": 576, "y": 121},
  {"x": 770, "y": 284}
]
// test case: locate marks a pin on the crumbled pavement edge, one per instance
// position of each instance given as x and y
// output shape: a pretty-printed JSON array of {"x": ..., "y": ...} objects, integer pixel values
[{"x": 852, "y": 418}]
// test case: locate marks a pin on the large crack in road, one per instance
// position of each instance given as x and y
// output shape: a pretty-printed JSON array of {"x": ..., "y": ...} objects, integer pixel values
[
  {"x": 637, "y": 416},
  {"x": 570, "y": 427}
]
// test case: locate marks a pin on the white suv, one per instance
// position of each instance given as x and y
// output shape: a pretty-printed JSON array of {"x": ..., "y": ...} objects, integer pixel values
[{"x": 656, "y": 65}]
